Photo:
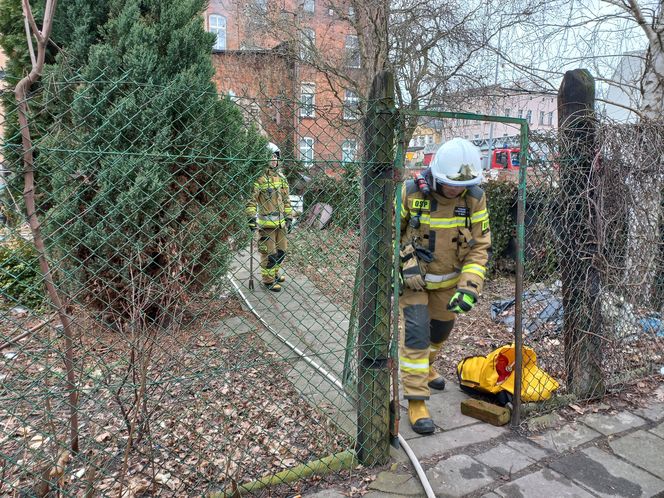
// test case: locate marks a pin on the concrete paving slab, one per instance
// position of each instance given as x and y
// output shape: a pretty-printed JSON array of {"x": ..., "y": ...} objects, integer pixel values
[
  {"x": 490, "y": 495},
  {"x": 326, "y": 493},
  {"x": 545, "y": 483},
  {"x": 442, "y": 442},
  {"x": 565, "y": 438},
  {"x": 658, "y": 430},
  {"x": 606, "y": 475},
  {"x": 458, "y": 476},
  {"x": 389, "y": 483},
  {"x": 612, "y": 423},
  {"x": 528, "y": 449},
  {"x": 654, "y": 412},
  {"x": 445, "y": 408},
  {"x": 505, "y": 460},
  {"x": 643, "y": 449}
]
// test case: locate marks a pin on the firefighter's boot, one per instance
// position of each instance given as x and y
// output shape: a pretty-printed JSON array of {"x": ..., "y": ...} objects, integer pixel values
[
  {"x": 273, "y": 286},
  {"x": 434, "y": 379},
  {"x": 419, "y": 417}
]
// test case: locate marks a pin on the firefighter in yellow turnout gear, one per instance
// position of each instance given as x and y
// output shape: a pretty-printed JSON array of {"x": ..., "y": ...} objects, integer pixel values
[
  {"x": 445, "y": 244},
  {"x": 269, "y": 210}
]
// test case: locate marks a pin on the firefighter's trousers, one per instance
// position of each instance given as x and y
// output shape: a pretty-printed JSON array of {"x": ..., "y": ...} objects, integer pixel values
[
  {"x": 272, "y": 245},
  {"x": 424, "y": 324}
]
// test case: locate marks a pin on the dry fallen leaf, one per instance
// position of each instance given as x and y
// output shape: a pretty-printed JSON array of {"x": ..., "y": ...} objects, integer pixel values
[{"x": 577, "y": 408}]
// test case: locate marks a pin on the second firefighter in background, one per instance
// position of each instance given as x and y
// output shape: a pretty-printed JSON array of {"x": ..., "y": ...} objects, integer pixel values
[
  {"x": 445, "y": 243},
  {"x": 269, "y": 210}
]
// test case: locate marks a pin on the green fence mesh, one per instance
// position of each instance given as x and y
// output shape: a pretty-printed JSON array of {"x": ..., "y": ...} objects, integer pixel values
[
  {"x": 181, "y": 377},
  {"x": 189, "y": 375}
]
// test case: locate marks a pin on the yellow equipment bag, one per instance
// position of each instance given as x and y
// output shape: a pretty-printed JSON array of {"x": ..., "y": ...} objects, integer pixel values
[{"x": 493, "y": 373}]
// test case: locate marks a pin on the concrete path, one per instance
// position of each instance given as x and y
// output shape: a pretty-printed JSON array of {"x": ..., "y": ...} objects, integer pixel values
[
  {"x": 308, "y": 328},
  {"x": 602, "y": 455}
]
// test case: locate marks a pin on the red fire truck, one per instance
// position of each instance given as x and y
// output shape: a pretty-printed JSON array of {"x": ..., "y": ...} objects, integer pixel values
[{"x": 505, "y": 158}]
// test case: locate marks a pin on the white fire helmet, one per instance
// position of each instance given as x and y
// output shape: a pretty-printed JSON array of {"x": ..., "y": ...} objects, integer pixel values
[
  {"x": 457, "y": 163},
  {"x": 274, "y": 150}
]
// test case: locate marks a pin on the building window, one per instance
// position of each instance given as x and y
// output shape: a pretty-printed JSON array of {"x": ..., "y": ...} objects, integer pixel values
[
  {"x": 309, "y": 6},
  {"x": 217, "y": 25},
  {"x": 307, "y": 150},
  {"x": 307, "y": 100},
  {"x": 261, "y": 5},
  {"x": 420, "y": 140},
  {"x": 520, "y": 114},
  {"x": 351, "y": 12},
  {"x": 351, "y": 105},
  {"x": 308, "y": 47},
  {"x": 541, "y": 118},
  {"x": 330, "y": 12},
  {"x": 529, "y": 117},
  {"x": 429, "y": 139},
  {"x": 508, "y": 112},
  {"x": 352, "y": 51},
  {"x": 550, "y": 120},
  {"x": 349, "y": 151}
]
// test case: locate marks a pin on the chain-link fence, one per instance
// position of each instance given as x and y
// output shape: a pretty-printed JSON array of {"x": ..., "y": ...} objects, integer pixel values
[
  {"x": 594, "y": 262},
  {"x": 173, "y": 365}
]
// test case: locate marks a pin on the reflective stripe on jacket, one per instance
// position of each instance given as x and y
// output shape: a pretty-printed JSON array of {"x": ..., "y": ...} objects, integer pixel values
[
  {"x": 269, "y": 201},
  {"x": 456, "y": 231}
]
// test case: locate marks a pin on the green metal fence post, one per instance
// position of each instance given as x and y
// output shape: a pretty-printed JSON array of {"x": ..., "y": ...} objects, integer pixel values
[{"x": 376, "y": 284}]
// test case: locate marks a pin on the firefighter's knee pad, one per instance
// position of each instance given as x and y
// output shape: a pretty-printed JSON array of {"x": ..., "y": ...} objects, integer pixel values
[
  {"x": 272, "y": 260},
  {"x": 440, "y": 330},
  {"x": 416, "y": 319},
  {"x": 262, "y": 244},
  {"x": 281, "y": 255}
]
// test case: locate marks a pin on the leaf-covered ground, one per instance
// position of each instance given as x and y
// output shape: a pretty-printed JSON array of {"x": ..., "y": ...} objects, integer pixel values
[{"x": 218, "y": 410}]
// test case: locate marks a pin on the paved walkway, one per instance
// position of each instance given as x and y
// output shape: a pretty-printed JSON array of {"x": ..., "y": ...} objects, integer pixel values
[
  {"x": 605, "y": 454},
  {"x": 309, "y": 328}
]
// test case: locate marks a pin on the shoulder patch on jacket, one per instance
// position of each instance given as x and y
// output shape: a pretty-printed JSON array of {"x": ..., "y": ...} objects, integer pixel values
[
  {"x": 475, "y": 192},
  {"x": 411, "y": 187}
]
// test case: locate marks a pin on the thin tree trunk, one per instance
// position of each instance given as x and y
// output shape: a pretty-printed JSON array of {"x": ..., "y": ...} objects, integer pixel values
[{"x": 21, "y": 92}]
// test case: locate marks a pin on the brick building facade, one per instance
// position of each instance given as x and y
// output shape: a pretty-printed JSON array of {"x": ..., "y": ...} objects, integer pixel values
[{"x": 261, "y": 59}]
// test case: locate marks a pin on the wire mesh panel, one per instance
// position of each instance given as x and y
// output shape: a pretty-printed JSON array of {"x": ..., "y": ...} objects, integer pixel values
[
  {"x": 593, "y": 300},
  {"x": 201, "y": 343}
]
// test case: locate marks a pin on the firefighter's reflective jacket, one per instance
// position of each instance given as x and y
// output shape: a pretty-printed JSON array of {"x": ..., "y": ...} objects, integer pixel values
[
  {"x": 455, "y": 230},
  {"x": 269, "y": 201}
]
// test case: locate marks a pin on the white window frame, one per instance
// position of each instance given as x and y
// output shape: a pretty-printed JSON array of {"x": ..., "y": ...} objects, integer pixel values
[
  {"x": 520, "y": 114},
  {"x": 550, "y": 119},
  {"x": 217, "y": 25},
  {"x": 307, "y": 100},
  {"x": 309, "y": 6},
  {"x": 308, "y": 44},
  {"x": 349, "y": 151},
  {"x": 352, "y": 47},
  {"x": 351, "y": 105},
  {"x": 508, "y": 112},
  {"x": 307, "y": 151},
  {"x": 541, "y": 118}
]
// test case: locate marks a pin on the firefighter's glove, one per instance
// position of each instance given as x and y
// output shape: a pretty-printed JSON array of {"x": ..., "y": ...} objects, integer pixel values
[
  {"x": 289, "y": 225},
  {"x": 414, "y": 266},
  {"x": 252, "y": 224},
  {"x": 461, "y": 302}
]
